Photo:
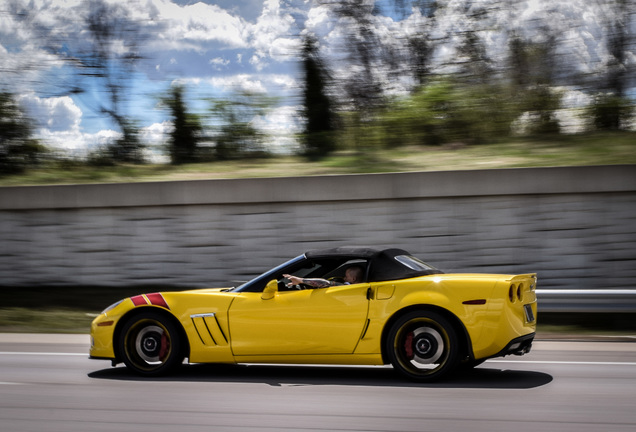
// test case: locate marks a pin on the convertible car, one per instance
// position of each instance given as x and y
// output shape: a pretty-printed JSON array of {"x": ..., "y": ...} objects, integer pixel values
[{"x": 403, "y": 311}]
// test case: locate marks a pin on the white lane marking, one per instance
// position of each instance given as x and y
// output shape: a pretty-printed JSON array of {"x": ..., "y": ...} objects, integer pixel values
[
  {"x": 565, "y": 362},
  {"x": 42, "y": 354}
]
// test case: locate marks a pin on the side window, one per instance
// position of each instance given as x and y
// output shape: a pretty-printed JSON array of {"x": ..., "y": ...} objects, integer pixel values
[
  {"x": 339, "y": 272},
  {"x": 310, "y": 269}
]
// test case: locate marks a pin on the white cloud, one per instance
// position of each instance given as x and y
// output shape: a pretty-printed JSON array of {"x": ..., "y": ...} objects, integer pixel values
[
  {"x": 286, "y": 82},
  {"x": 76, "y": 142},
  {"x": 156, "y": 134},
  {"x": 155, "y": 137},
  {"x": 237, "y": 83},
  {"x": 280, "y": 120},
  {"x": 256, "y": 83},
  {"x": 193, "y": 26},
  {"x": 257, "y": 61},
  {"x": 219, "y": 63},
  {"x": 271, "y": 36},
  {"x": 54, "y": 114},
  {"x": 319, "y": 21},
  {"x": 280, "y": 124}
]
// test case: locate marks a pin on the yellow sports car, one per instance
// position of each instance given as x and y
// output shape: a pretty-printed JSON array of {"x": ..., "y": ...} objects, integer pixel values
[{"x": 356, "y": 306}]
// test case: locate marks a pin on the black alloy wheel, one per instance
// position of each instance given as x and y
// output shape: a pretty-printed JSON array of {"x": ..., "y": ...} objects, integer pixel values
[
  {"x": 423, "y": 346},
  {"x": 150, "y": 344}
]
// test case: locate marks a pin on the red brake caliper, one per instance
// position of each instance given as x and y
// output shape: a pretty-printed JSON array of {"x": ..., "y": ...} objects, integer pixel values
[
  {"x": 408, "y": 346},
  {"x": 165, "y": 345}
]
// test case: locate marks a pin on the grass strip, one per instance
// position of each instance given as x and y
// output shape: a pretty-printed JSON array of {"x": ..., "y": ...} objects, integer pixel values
[{"x": 559, "y": 150}]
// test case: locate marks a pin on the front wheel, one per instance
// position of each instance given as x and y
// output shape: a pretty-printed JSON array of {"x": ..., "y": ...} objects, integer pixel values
[
  {"x": 150, "y": 344},
  {"x": 422, "y": 345}
]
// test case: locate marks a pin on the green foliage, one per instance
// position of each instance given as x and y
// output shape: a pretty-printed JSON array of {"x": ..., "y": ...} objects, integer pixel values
[
  {"x": 448, "y": 112},
  {"x": 531, "y": 67},
  {"x": 610, "y": 112},
  {"x": 23, "y": 320},
  {"x": 17, "y": 149},
  {"x": 232, "y": 122},
  {"x": 101, "y": 157},
  {"x": 128, "y": 148},
  {"x": 318, "y": 138},
  {"x": 540, "y": 102},
  {"x": 187, "y": 129}
]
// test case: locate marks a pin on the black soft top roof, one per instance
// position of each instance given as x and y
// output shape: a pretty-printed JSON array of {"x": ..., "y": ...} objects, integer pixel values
[
  {"x": 382, "y": 263},
  {"x": 351, "y": 252}
]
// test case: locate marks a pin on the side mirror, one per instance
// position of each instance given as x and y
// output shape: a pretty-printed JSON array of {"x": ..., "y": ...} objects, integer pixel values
[{"x": 270, "y": 290}]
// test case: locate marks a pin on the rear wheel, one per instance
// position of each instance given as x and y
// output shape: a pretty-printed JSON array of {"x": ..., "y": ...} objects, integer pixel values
[
  {"x": 150, "y": 344},
  {"x": 422, "y": 345}
]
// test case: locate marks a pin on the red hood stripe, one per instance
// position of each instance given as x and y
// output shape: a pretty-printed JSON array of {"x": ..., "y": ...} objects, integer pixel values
[
  {"x": 157, "y": 300},
  {"x": 139, "y": 300}
]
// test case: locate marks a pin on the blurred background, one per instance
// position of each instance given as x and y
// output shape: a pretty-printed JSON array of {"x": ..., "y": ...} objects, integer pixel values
[
  {"x": 176, "y": 82},
  {"x": 97, "y": 91}
]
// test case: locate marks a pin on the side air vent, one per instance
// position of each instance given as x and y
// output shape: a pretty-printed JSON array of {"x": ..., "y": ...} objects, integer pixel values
[{"x": 208, "y": 329}]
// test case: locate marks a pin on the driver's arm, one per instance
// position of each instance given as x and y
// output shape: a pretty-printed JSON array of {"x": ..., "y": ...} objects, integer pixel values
[{"x": 312, "y": 282}]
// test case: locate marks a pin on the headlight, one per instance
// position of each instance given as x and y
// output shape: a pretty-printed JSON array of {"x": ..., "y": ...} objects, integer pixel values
[{"x": 114, "y": 305}]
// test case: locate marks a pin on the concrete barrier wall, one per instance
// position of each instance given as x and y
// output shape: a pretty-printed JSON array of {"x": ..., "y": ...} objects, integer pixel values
[{"x": 575, "y": 226}]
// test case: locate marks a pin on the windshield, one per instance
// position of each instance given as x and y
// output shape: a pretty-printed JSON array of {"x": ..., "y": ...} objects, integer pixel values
[{"x": 267, "y": 276}]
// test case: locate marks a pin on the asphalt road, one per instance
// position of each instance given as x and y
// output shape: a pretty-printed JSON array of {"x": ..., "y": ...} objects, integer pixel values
[{"x": 48, "y": 383}]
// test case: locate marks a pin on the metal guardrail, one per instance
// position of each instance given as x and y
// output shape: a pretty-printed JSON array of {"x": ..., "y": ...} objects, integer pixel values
[{"x": 596, "y": 301}]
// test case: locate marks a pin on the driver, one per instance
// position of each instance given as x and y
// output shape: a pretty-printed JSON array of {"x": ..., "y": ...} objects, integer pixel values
[{"x": 353, "y": 275}]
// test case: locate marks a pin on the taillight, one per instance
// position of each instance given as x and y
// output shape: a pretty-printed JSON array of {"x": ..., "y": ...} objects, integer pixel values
[{"x": 511, "y": 293}]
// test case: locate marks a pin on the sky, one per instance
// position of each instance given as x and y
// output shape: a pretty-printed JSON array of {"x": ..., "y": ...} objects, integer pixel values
[{"x": 218, "y": 47}]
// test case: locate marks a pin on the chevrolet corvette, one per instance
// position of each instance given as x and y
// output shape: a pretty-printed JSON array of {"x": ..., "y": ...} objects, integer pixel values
[{"x": 402, "y": 311}]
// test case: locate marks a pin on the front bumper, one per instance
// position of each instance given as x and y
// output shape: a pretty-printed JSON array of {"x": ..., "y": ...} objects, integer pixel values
[{"x": 102, "y": 330}]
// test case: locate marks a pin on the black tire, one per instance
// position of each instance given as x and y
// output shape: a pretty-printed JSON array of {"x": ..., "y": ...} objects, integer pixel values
[
  {"x": 150, "y": 344},
  {"x": 422, "y": 345}
]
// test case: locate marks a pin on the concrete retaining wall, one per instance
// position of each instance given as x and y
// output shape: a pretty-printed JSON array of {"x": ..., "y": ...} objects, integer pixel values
[{"x": 575, "y": 226}]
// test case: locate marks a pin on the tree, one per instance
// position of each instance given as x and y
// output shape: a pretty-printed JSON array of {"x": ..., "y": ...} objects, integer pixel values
[
  {"x": 364, "y": 49},
  {"x": 105, "y": 60},
  {"x": 477, "y": 67},
  {"x": 236, "y": 134},
  {"x": 317, "y": 106},
  {"x": 187, "y": 129},
  {"x": 420, "y": 51},
  {"x": 531, "y": 68},
  {"x": 448, "y": 111},
  {"x": 611, "y": 109},
  {"x": 610, "y": 112},
  {"x": 18, "y": 149},
  {"x": 417, "y": 48},
  {"x": 110, "y": 28}
]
